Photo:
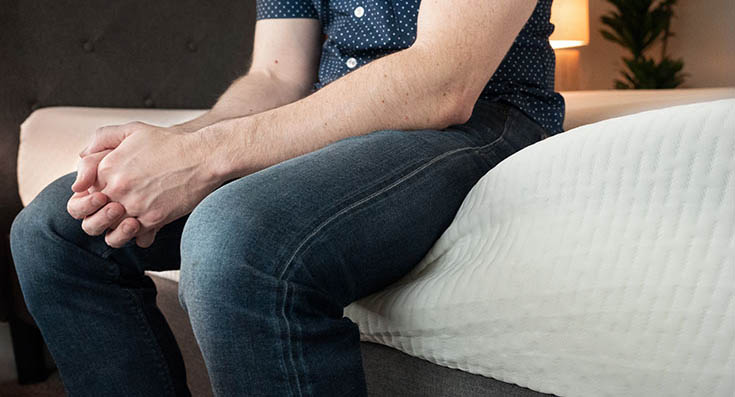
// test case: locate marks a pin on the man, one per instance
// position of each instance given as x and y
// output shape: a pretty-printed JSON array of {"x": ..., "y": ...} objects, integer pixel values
[{"x": 282, "y": 205}]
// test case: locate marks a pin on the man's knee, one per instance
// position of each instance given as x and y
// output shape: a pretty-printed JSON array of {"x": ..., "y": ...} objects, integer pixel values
[
  {"x": 45, "y": 214},
  {"x": 37, "y": 229},
  {"x": 232, "y": 241}
]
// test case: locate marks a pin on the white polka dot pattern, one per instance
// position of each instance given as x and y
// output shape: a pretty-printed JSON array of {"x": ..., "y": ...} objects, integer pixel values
[
  {"x": 364, "y": 30},
  {"x": 284, "y": 9}
]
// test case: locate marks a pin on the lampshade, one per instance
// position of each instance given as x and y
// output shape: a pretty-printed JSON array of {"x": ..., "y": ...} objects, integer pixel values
[{"x": 571, "y": 21}]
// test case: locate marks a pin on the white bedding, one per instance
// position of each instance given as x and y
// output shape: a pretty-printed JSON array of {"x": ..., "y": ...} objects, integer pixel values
[{"x": 599, "y": 262}]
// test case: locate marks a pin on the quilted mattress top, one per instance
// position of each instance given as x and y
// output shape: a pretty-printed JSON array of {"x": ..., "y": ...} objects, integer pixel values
[{"x": 597, "y": 262}]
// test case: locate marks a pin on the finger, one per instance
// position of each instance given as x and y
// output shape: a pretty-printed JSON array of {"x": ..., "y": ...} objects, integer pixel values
[
  {"x": 87, "y": 171},
  {"x": 145, "y": 239},
  {"x": 83, "y": 204},
  {"x": 106, "y": 218},
  {"x": 107, "y": 137},
  {"x": 124, "y": 232},
  {"x": 74, "y": 199}
]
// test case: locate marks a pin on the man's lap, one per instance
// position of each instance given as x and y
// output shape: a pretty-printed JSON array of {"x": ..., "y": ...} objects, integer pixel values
[
  {"x": 348, "y": 218},
  {"x": 361, "y": 211}
]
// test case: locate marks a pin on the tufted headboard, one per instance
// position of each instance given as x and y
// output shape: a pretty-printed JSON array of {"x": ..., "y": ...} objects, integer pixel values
[{"x": 124, "y": 53}]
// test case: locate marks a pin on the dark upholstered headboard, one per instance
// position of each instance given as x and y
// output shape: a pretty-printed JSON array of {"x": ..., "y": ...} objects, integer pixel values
[{"x": 123, "y": 53}]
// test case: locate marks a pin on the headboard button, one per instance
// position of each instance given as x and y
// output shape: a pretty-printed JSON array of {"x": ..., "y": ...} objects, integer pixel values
[
  {"x": 148, "y": 102},
  {"x": 88, "y": 46},
  {"x": 191, "y": 45}
]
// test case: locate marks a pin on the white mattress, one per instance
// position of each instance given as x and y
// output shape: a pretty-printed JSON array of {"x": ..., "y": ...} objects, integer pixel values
[{"x": 599, "y": 262}]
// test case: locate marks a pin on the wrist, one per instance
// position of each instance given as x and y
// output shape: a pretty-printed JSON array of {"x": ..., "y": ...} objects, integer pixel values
[
  {"x": 217, "y": 151},
  {"x": 205, "y": 152},
  {"x": 207, "y": 118}
]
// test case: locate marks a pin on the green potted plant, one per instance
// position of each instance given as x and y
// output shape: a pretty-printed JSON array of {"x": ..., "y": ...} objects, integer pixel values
[{"x": 637, "y": 25}]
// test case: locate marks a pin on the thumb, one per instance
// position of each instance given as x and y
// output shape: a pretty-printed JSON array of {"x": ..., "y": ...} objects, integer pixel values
[
  {"x": 108, "y": 137},
  {"x": 87, "y": 171}
]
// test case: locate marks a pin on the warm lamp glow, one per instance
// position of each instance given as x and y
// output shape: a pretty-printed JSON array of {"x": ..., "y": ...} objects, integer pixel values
[{"x": 571, "y": 21}]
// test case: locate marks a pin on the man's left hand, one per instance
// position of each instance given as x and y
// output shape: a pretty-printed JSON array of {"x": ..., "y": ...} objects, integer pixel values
[{"x": 157, "y": 174}]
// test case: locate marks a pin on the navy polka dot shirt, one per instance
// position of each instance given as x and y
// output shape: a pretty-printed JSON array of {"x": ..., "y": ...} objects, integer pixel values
[{"x": 359, "y": 31}]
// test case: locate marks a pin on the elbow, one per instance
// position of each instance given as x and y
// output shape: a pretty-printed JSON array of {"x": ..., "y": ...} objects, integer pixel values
[
  {"x": 454, "y": 89},
  {"x": 454, "y": 108}
]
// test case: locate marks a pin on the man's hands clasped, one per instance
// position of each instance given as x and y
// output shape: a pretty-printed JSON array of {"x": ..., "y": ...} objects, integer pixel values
[{"x": 135, "y": 178}]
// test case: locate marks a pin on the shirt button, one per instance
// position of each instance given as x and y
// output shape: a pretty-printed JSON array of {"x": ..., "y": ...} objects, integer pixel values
[
  {"x": 351, "y": 63},
  {"x": 359, "y": 12}
]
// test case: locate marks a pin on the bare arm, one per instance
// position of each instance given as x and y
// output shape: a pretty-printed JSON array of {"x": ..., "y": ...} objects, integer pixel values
[
  {"x": 283, "y": 70},
  {"x": 432, "y": 84},
  {"x": 158, "y": 175}
]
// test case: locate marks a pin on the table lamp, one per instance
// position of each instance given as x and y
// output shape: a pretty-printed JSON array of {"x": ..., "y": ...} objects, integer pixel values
[{"x": 571, "y": 29}]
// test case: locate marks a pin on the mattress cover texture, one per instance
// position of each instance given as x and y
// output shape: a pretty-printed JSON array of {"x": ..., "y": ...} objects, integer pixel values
[{"x": 597, "y": 262}]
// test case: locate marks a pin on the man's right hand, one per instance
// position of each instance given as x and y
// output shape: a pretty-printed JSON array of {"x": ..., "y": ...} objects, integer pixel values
[
  {"x": 99, "y": 215},
  {"x": 104, "y": 140},
  {"x": 94, "y": 207}
]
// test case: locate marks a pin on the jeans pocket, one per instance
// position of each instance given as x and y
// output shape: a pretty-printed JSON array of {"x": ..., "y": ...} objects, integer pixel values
[{"x": 520, "y": 131}]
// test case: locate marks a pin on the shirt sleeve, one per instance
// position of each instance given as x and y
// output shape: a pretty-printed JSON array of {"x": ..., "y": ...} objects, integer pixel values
[{"x": 269, "y": 9}]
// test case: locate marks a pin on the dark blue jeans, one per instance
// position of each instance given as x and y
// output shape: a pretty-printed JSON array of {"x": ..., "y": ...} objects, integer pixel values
[{"x": 268, "y": 262}]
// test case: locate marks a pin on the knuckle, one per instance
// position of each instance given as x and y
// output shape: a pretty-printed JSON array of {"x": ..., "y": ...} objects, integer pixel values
[
  {"x": 112, "y": 190},
  {"x": 105, "y": 165},
  {"x": 102, "y": 131},
  {"x": 129, "y": 227},
  {"x": 155, "y": 216},
  {"x": 93, "y": 202},
  {"x": 116, "y": 209},
  {"x": 134, "y": 208},
  {"x": 123, "y": 183},
  {"x": 86, "y": 162},
  {"x": 118, "y": 186},
  {"x": 133, "y": 126}
]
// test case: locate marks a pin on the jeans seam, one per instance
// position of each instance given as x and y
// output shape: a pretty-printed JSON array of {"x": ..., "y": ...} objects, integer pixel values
[
  {"x": 288, "y": 303},
  {"x": 351, "y": 197},
  {"x": 164, "y": 371},
  {"x": 346, "y": 210},
  {"x": 300, "y": 352},
  {"x": 394, "y": 184},
  {"x": 287, "y": 354}
]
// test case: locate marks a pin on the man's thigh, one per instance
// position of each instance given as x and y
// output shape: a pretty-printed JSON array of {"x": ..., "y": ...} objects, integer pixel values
[{"x": 352, "y": 217}]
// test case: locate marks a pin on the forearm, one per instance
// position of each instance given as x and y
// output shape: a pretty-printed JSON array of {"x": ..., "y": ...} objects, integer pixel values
[
  {"x": 253, "y": 93},
  {"x": 433, "y": 84},
  {"x": 410, "y": 89}
]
